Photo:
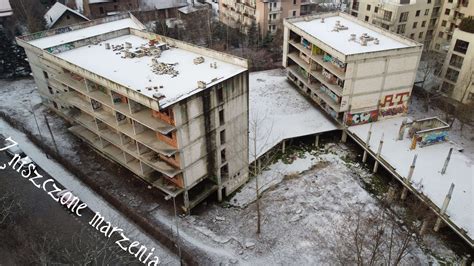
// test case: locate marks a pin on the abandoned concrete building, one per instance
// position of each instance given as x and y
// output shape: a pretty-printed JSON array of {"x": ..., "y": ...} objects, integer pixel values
[
  {"x": 174, "y": 114},
  {"x": 355, "y": 71}
]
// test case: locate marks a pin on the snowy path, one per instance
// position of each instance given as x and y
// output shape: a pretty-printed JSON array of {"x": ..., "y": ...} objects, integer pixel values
[{"x": 94, "y": 201}]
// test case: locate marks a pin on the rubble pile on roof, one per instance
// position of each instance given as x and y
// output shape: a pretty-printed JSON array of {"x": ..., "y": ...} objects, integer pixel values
[{"x": 161, "y": 68}]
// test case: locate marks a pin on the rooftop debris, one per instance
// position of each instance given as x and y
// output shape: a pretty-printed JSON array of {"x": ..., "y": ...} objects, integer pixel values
[
  {"x": 161, "y": 68},
  {"x": 198, "y": 60}
]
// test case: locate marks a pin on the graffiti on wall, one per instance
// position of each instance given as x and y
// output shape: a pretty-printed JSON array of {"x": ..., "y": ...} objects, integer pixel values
[
  {"x": 62, "y": 30},
  {"x": 394, "y": 104},
  {"x": 60, "y": 48},
  {"x": 392, "y": 111},
  {"x": 361, "y": 118},
  {"x": 430, "y": 138}
]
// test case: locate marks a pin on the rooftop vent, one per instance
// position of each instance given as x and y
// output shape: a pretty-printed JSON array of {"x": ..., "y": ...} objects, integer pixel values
[
  {"x": 353, "y": 37},
  {"x": 201, "y": 84},
  {"x": 376, "y": 41},
  {"x": 107, "y": 46},
  {"x": 128, "y": 45},
  {"x": 338, "y": 26}
]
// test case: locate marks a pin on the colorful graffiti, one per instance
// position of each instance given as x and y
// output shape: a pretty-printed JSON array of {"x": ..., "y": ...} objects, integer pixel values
[
  {"x": 62, "y": 30},
  {"x": 389, "y": 99},
  {"x": 393, "y": 111},
  {"x": 361, "y": 118},
  {"x": 430, "y": 138},
  {"x": 60, "y": 48}
]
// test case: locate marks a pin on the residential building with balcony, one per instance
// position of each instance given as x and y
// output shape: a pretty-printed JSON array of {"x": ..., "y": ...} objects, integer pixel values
[
  {"x": 268, "y": 15},
  {"x": 355, "y": 71},
  {"x": 458, "y": 68},
  {"x": 451, "y": 13},
  {"x": 174, "y": 114},
  {"x": 415, "y": 19}
]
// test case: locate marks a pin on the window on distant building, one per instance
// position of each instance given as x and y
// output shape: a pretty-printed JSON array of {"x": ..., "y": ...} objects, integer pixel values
[
  {"x": 403, "y": 17},
  {"x": 417, "y": 14},
  {"x": 366, "y": 18},
  {"x": 447, "y": 11},
  {"x": 427, "y": 12},
  {"x": 440, "y": 34},
  {"x": 220, "y": 95},
  {"x": 101, "y": 10},
  {"x": 294, "y": 2},
  {"x": 443, "y": 23},
  {"x": 423, "y": 24},
  {"x": 401, "y": 29},
  {"x": 68, "y": 17},
  {"x": 449, "y": 37},
  {"x": 450, "y": 1},
  {"x": 456, "y": 61},
  {"x": 50, "y": 90},
  {"x": 294, "y": 13},
  {"x": 222, "y": 137},
  {"x": 415, "y": 24},
  {"x": 223, "y": 157},
  {"x": 461, "y": 46},
  {"x": 447, "y": 87},
  {"x": 412, "y": 36},
  {"x": 376, "y": 9},
  {"x": 387, "y": 15},
  {"x": 437, "y": 46},
  {"x": 385, "y": 26},
  {"x": 45, "y": 74},
  {"x": 420, "y": 35},
  {"x": 221, "y": 117},
  {"x": 225, "y": 171},
  {"x": 368, "y": 7},
  {"x": 452, "y": 75}
]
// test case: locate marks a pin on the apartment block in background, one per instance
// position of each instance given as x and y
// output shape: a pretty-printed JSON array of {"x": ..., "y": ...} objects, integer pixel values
[
  {"x": 450, "y": 15},
  {"x": 415, "y": 19},
  {"x": 356, "y": 72},
  {"x": 458, "y": 68},
  {"x": 268, "y": 15},
  {"x": 102, "y": 8},
  {"x": 174, "y": 114}
]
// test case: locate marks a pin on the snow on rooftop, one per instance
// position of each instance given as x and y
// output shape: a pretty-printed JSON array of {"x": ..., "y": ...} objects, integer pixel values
[
  {"x": 56, "y": 11},
  {"x": 427, "y": 178},
  {"x": 83, "y": 33},
  {"x": 5, "y": 8},
  {"x": 136, "y": 73},
  {"x": 161, "y": 4},
  {"x": 339, "y": 40},
  {"x": 280, "y": 112}
]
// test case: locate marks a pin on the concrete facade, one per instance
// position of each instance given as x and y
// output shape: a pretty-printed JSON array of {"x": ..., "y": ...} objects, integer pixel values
[
  {"x": 354, "y": 88},
  {"x": 102, "y": 8},
  {"x": 415, "y": 19},
  {"x": 268, "y": 15},
  {"x": 193, "y": 147},
  {"x": 451, "y": 13},
  {"x": 458, "y": 68}
]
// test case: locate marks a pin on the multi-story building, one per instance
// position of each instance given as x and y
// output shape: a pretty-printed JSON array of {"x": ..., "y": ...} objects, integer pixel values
[
  {"x": 355, "y": 71},
  {"x": 451, "y": 14},
  {"x": 102, "y": 8},
  {"x": 415, "y": 19},
  {"x": 267, "y": 15},
  {"x": 458, "y": 68},
  {"x": 174, "y": 114}
]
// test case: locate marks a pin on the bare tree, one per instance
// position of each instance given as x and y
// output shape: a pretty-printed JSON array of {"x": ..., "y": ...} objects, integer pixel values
[
  {"x": 429, "y": 69},
  {"x": 365, "y": 237}
]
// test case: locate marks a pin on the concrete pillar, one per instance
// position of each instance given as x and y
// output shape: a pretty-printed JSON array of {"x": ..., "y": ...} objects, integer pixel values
[
  {"x": 409, "y": 176},
  {"x": 401, "y": 131},
  {"x": 283, "y": 146},
  {"x": 367, "y": 144},
  {"x": 424, "y": 227},
  {"x": 444, "y": 207},
  {"x": 376, "y": 165},
  {"x": 445, "y": 166},
  {"x": 316, "y": 141},
  {"x": 344, "y": 136},
  {"x": 391, "y": 194},
  {"x": 186, "y": 201}
]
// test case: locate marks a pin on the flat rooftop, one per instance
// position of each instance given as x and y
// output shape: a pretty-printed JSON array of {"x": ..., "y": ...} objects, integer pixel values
[
  {"x": 137, "y": 73},
  {"x": 340, "y": 40},
  {"x": 427, "y": 178},
  {"x": 278, "y": 111},
  {"x": 79, "y": 34}
]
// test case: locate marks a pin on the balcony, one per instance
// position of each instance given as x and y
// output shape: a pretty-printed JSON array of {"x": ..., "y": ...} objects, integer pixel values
[
  {"x": 69, "y": 81},
  {"x": 319, "y": 76},
  {"x": 87, "y": 121},
  {"x": 338, "y": 72},
  {"x": 145, "y": 117},
  {"x": 381, "y": 18},
  {"x": 106, "y": 117},
  {"x": 273, "y": 10},
  {"x": 152, "y": 159},
  {"x": 86, "y": 135},
  {"x": 74, "y": 99},
  {"x": 296, "y": 58},
  {"x": 315, "y": 89},
  {"x": 149, "y": 139}
]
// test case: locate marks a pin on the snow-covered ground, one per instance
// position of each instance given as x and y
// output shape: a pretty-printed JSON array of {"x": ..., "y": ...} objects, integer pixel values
[
  {"x": 278, "y": 112},
  {"x": 300, "y": 210},
  {"x": 93, "y": 201},
  {"x": 427, "y": 178}
]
